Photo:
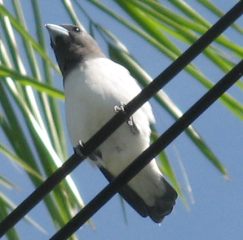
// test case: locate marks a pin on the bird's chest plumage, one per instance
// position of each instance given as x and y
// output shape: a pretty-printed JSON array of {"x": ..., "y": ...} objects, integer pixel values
[
  {"x": 91, "y": 95},
  {"x": 92, "y": 92}
]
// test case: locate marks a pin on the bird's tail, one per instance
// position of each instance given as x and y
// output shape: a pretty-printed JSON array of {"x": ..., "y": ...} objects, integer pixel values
[{"x": 162, "y": 206}]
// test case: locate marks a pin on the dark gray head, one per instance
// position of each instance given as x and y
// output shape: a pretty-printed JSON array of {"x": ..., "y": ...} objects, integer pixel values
[{"x": 72, "y": 45}]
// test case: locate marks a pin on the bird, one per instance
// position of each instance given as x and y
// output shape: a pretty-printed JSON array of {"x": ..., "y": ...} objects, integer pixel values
[{"x": 95, "y": 89}]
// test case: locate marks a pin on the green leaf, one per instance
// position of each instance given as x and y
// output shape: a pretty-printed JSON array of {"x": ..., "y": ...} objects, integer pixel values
[
  {"x": 210, "y": 6},
  {"x": 184, "y": 34},
  {"x": 7, "y": 184},
  {"x": 8, "y": 204},
  {"x": 71, "y": 12},
  {"x": 23, "y": 164},
  {"x": 28, "y": 81},
  {"x": 12, "y": 233},
  {"x": 27, "y": 36}
]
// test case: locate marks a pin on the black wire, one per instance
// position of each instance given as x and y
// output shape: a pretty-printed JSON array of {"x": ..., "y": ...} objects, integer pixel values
[
  {"x": 121, "y": 117},
  {"x": 140, "y": 162}
]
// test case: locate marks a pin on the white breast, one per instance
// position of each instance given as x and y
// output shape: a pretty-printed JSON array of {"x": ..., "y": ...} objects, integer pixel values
[{"x": 92, "y": 90}]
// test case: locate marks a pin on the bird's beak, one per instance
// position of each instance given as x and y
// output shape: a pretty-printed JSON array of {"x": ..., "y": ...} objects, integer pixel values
[{"x": 56, "y": 31}]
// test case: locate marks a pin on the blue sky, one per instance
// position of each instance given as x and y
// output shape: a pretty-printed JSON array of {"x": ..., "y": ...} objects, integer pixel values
[{"x": 218, "y": 208}]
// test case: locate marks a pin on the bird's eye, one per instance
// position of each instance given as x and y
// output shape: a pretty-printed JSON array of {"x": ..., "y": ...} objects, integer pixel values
[{"x": 76, "y": 29}]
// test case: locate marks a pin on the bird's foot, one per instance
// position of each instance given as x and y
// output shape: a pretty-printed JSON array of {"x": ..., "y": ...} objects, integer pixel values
[
  {"x": 130, "y": 121},
  {"x": 121, "y": 107},
  {"x": 95, "y": 156},
  {"x": 78, "y": 149}
]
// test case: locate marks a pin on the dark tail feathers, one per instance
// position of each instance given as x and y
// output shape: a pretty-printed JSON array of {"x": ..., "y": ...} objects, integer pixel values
[{"x": 163, "y": 206}]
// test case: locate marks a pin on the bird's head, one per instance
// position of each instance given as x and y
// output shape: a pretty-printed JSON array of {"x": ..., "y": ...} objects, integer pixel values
[{"x": 72, "y": 45}]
